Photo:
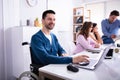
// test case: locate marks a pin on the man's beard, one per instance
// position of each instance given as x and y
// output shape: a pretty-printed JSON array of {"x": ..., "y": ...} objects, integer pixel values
[{"x": 50, "y": 26}]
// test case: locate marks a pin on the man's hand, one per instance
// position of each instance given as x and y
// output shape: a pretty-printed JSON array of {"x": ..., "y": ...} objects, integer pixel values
[
  {"x": 65, "y": 54},
  {"x": 113, "y": 36},
  {"x": 80, "y": 58}
]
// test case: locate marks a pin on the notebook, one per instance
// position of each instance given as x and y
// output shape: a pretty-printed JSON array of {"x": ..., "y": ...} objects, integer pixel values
[{"x": 94, "y": 62}]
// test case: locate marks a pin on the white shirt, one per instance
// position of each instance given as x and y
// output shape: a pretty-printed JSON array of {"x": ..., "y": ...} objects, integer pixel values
[{"x": 49, "y": 37}]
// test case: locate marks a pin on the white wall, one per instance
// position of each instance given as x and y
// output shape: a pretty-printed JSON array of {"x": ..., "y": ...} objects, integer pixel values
[
  {"x": 2, "y": 66},
  {"x": 64, "y": 10},
  {"x": 112, "y": 5},
  {"x": 97, "y": 13},
  {"x": 15, "y": 11},
  {"x": 63, "y": 13},
  {"x": 31, "y": 13},
  {"x": 94, "y": 1},
  {"x": 10, "y": 19},
  {"x": 77, "y": 3}
]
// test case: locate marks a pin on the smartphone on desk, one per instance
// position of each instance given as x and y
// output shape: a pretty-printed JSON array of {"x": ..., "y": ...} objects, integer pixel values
[{"x": 109, "y": 55}]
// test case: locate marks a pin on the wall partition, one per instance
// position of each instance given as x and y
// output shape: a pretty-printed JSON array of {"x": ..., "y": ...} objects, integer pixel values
[{"x": 2, "y": 69}]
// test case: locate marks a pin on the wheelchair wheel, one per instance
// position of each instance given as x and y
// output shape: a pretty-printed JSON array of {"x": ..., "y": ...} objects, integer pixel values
[{"x": 29, "y": 75}]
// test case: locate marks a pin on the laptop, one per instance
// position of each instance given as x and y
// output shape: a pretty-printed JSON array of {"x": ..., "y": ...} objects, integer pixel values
[
  {"x": 95, "y": 50},
  {"x": 94, "y": 62}
]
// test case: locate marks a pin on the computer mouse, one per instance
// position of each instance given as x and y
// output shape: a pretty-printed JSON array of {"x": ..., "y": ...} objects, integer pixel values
[
  {"x": 84, "y": 63},
  {"x": 72, "y": 68}
]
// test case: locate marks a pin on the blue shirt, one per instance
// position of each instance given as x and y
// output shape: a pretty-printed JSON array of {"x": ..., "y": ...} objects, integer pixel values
[
  {"x": 44, "y": 53},
  {"x": 110, "y": 28}
]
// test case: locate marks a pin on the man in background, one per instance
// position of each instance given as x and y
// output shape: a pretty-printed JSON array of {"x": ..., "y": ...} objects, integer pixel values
[{"x": 110, "y": 27}]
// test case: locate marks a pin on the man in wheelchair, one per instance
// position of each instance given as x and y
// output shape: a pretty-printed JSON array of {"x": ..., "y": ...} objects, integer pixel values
[{"x": 45, "y": 48}]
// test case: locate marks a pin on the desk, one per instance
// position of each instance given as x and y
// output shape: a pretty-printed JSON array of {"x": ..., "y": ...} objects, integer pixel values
[{"x": 107, "y": 70}]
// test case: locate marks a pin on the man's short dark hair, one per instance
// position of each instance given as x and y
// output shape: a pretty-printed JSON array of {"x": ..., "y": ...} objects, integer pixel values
[
  {"x": 47, "y": 12},
  {"x": 114, "y": 12}
]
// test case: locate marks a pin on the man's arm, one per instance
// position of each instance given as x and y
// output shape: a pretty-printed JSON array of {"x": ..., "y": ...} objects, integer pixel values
[
  {"x": 42, "y": 56},
  {"x": 61, "y": 51},
  {"x": 104, "y": 29}
]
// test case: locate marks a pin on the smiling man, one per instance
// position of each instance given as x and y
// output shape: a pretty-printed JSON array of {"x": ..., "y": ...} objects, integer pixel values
[{"x": 45, "y": 46}]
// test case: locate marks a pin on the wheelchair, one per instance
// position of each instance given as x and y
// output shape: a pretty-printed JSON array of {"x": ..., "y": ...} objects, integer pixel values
[{"x": 33, "y": 73}]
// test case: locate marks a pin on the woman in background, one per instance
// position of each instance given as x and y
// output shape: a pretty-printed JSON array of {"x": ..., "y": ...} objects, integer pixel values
[
  {"x": 84, "y": 41},
  {"x": 95, "y": 34}
]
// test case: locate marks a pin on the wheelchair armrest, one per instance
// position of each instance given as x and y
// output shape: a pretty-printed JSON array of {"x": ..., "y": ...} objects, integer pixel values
[{"x": 34, "y": 68}]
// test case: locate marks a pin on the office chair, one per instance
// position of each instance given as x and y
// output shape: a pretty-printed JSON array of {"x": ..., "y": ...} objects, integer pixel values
[{"x": 33, "y": 73}]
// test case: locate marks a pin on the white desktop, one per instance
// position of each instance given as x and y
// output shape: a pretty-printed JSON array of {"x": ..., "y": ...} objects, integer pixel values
[{"x": 108, "y": 69}]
